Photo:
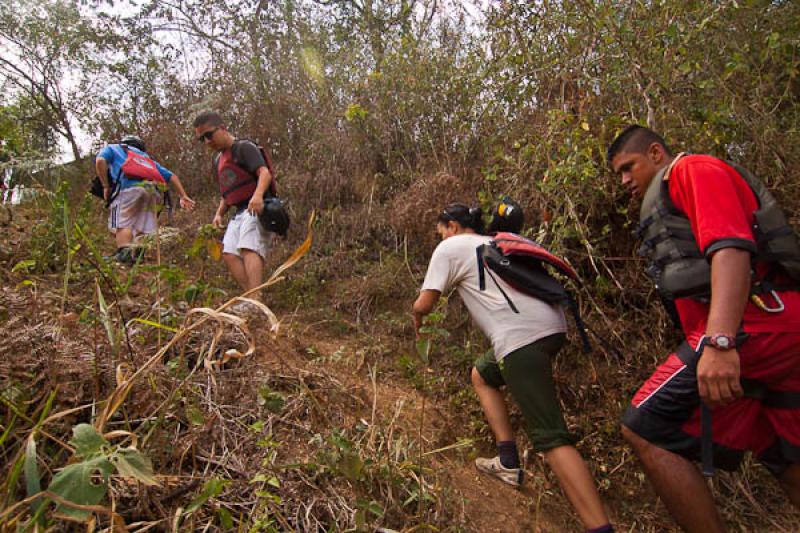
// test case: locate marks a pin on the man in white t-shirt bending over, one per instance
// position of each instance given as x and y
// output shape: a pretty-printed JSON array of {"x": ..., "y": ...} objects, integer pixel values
[{"x": 524, "y": 344}]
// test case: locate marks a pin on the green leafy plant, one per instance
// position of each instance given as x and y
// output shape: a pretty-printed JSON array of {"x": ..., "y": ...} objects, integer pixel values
[
  {"x": 86, "y": 482},
  {"x": 430, "y": 332}
]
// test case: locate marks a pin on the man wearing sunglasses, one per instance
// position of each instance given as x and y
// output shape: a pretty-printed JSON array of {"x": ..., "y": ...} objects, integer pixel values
[{"x": 243, "y": 177}]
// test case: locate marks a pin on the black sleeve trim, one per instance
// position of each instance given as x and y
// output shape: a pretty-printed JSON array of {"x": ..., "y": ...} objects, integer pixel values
[{"x": 742, "y": 244}]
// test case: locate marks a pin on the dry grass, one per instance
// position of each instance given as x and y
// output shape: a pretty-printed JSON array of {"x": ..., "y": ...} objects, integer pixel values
[{"x": 318, "y": 427}]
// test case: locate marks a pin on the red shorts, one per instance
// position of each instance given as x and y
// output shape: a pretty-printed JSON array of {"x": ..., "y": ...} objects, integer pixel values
[{"x": 766, "y": 420}]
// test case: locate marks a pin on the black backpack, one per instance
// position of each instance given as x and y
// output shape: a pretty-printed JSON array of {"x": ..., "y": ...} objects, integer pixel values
[{"x": 520, "y": 262}]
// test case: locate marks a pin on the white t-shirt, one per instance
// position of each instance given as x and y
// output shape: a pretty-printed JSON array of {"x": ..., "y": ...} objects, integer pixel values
[{"x": 455, "y": 264}]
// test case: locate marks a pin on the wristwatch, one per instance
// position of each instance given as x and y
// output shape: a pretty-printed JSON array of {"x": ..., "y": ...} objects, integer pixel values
[{"x": 721, "y": 341}]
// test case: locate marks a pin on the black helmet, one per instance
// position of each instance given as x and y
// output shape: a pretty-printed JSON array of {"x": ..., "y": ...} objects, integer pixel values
[
  {"x": 275, "y": 217},
  {"x": 507, "y": 216},
  {"x": 133, "y": 140}
]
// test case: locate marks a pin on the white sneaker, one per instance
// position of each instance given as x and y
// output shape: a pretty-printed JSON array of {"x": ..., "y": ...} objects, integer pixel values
[
  {"x": 493, "y": 467},
  {"x": 244, "y": 309}
]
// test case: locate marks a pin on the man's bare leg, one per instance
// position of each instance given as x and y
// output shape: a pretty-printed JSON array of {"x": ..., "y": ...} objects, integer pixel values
[
  {"x": 566, "y": 462},
  {"x": 790, "y": 481},
  {"x": 494, "y": 408},
  {"x": 235, "y": 265},
  {"x": 254, "y": 269},
  {"x": 123, "y": 237},
  {"x": 578, "y": 484},
  {"x": 679, "y": 484}
]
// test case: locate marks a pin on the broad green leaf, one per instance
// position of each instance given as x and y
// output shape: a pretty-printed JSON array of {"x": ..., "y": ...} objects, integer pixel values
[
  {"x": 25, "y": 264},
  {"x": 269, "y": 496},
  {"x": 197, "y": 245},
  {"x": 351, "y": 466},
  {"x": 225, "y": 519},
  {"x": 424, "y": 350},
  {"x": 105, "y": 316},
  {"x": 360, "y": 520},
  {"x": 195, "y": 415},
  {"x": 76, "y": 483},
  {"x": 130, "y": 462},
  {"x": 32, "y": 482},
  {"x": 259, "y": 478},
  {"x": 191, "y": 292},
  {"x": 270, "y": 399},
  {"x": 87, "y": 441},
  {"x": 370, "y": 505},
  {"x": 211, "y": 488}
]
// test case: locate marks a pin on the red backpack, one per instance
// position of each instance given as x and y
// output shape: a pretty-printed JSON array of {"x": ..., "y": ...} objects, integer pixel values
[
  {"x": 140, "y": 166},
  {"x": 520, "y": 262}
]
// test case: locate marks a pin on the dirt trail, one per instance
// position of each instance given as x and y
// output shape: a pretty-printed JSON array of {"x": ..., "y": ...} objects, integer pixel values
[{"x": 487, "y": 505}]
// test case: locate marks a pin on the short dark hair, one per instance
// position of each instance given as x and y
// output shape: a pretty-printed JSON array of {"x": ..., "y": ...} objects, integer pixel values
[
  {"x": 635, "y": 139},
  {"x": 467, "y": 217},
  {"x": 212, "y": 118}
]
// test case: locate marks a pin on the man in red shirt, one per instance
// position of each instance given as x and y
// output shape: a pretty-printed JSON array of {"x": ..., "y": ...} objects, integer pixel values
[
  {"x": 741, "y": 357},
  {"x": 244, "y": 178}
]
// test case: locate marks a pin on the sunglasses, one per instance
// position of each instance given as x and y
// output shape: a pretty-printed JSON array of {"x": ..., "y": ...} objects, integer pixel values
[{"x": 203, "y": 137}]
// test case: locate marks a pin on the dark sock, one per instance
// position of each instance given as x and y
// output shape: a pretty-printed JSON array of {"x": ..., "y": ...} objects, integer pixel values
[
  {"x": 608, "y": 528},
  {"x": 507, "y": 450}
]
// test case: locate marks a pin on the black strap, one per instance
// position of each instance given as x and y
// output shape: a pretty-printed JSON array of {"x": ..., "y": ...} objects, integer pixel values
[
  {"x": 482, "y": 280},
  {"x": 573, "y": 307},
  {"x": 776, "y": 399},
  {"x": 706, "y": 441},
  {"x": 510, "y": 303},
  {"x": 115, "y": 190},
  {"x": 706, "y": 436},
  {"x": 481, "y": 268}
]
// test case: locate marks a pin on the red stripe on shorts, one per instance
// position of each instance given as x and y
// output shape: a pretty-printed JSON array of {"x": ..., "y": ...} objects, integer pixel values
[{"x": 663, "y": 374}]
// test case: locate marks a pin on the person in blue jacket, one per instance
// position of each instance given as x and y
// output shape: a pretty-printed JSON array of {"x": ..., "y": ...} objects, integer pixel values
[{"x": 131, "y": 179}]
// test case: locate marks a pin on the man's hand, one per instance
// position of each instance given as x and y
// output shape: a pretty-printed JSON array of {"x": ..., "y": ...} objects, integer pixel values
[
  {"x": 217, "y": 222},
  {"x": 256, "y": 204},
  {"x": 106, "y": 192},
  {"x": 187, "y": 203},
  {"x": 718, "y": 376},
  {"x": 423, "y": 305},
  {"x": 417, "y": 323}
]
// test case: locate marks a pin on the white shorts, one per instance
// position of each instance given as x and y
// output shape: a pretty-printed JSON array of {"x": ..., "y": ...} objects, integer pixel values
[
  {"x": 135, "y": 208},
  {"x": 245, "y": 232}
]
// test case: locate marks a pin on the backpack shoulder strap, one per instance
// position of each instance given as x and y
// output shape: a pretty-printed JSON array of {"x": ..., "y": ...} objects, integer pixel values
[
  {"x": 215, "y": 165},
  {"x": 481, "y": 268},
  {"x": 482, "y": 280},
  {"x": 236, "y": 149}
]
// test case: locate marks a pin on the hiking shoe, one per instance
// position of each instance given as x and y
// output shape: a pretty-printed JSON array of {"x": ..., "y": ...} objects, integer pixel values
[
  {"x": 493, "y": 467},
  {"x": 244, "y": 309},
  {"x": 137, "y": 254},
  {"x": 123, "y": 255}
]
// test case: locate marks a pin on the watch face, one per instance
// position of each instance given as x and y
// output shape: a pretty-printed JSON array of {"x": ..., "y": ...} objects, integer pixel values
[{"x": 723, "y": 342}]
